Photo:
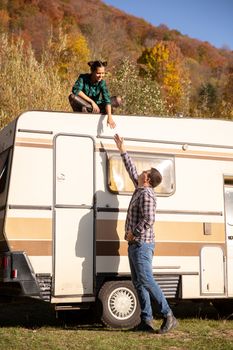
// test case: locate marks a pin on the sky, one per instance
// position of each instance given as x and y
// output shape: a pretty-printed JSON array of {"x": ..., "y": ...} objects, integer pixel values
[{"x": 206, "y": 20}]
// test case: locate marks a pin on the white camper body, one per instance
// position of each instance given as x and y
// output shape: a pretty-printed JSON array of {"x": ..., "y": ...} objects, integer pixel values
[{"x": 63, "y": 201}]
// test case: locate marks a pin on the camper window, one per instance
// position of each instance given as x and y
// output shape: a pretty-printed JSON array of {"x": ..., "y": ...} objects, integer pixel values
[{"x": 119, "y": 181}]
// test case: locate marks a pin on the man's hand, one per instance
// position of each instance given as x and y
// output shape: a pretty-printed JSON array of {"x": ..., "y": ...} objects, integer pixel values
[
  {"x": 129, "y": 236},
  {"x": 120, "y": 143}
]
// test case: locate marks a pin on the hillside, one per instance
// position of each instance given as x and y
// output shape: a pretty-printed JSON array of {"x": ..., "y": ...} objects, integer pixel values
[{"x": 110, "y": 32}]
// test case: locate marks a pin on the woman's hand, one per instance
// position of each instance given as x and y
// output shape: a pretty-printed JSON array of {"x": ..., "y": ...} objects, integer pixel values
[
  {"x": 111, "y": 123},
  {"x": 95, "y": 107}
]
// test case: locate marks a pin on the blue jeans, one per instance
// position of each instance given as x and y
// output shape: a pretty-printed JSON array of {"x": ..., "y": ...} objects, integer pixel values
[{"x": 140, "y": 260}]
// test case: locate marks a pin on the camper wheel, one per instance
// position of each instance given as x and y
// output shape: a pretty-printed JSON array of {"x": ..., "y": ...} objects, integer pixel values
[{"x": 120, "y": 306}]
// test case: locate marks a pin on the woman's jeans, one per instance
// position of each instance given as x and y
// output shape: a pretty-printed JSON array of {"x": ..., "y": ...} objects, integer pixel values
[
  {"x": 140, "y": 260},
  {"x": 77, "y": 103}
]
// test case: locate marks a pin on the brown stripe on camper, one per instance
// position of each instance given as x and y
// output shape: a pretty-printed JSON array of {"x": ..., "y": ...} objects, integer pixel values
[
  {"x": 32, "y": 248},
  {"x": 33, "y": 142},
  {"x": 180, "y": 153},
  {"x": 190, "y": 231},
  {"x": 112, "y": 230},
  {"x": 104, "y": 248},
  {"x": 28, "y": 228}
]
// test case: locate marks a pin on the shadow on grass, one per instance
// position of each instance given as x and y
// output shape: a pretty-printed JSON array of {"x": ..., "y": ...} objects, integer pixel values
[
  {"x": 31, "y": 313},
  {"x": 195, "y": 309},
  {"x": 27, "y": 313}
]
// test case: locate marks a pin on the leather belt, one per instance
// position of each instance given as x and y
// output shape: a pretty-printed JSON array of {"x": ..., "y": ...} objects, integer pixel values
[{"x": 132, "y": 242}]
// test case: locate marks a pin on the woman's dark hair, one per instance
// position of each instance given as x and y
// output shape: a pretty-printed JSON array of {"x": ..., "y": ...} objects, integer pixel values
[{"x": 96, "y": 64}]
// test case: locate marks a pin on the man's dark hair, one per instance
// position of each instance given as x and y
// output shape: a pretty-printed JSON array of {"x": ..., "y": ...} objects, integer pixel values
[{"x": 155, "y": 178}]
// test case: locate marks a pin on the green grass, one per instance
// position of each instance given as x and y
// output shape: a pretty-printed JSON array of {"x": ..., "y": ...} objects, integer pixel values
[{"x": 33, "y": 325}]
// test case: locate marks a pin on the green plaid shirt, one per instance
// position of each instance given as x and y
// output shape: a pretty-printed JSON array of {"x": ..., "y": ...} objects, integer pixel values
[{"x": 98, "y": 92}]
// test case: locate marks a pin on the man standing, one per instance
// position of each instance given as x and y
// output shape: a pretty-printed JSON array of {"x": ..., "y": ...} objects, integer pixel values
[{"x": 139, "y": 233}]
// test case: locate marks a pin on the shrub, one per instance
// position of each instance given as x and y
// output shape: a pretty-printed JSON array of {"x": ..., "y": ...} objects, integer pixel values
[{"x": 140, "y": 96}]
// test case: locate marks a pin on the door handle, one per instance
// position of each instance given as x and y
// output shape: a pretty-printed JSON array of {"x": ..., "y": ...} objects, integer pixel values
[{"x": 61, "y": 177}]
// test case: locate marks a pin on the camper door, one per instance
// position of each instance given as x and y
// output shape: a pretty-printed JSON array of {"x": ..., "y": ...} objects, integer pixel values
[{"x": 74, "y": 216}]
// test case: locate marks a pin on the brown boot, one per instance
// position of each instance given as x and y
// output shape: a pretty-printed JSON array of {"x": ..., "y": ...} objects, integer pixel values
[
  {"x": 145, "y": 326},
  {"x": 169, "y": 323}
]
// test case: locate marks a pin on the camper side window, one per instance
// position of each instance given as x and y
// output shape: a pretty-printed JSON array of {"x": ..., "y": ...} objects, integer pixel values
[{"x": 120, "y": 182}]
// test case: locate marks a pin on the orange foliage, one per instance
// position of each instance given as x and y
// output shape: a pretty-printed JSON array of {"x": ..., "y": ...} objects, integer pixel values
[
  {"x": 4, "y": 19},
  {"x": 52, "y": 9}
]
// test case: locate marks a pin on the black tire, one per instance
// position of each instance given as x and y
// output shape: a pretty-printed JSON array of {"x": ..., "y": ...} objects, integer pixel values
[{"x": 120, "y": 306}]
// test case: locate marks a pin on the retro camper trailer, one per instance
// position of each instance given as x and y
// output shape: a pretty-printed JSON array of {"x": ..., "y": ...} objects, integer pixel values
[{"x": 64, "y": 194}]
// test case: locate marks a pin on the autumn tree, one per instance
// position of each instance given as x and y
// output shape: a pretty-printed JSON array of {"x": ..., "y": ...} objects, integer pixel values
[
  {"x": 208, "y": 100},
  {"x": 225, "y": 106},
  {"x": 69, "y": 53},
  {"x": 166, "y": 65}
]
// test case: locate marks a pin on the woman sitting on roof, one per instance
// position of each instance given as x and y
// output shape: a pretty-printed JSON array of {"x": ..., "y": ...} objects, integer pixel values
[{"x": 90, "y": 93}]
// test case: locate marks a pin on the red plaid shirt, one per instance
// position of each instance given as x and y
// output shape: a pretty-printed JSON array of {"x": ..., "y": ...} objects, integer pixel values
[{"x": 141, "y": 212}]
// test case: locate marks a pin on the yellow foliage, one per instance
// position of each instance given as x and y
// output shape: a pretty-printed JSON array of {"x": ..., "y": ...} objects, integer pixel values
[
  {"x": 160, "y": 53},
  {"x": 74, "y": 56},
  {"x": 165, "y": 63},
  {"x": 79, "y": 47}
]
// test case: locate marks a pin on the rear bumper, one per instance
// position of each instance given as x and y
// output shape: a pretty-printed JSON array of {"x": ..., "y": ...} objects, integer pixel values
[{"x": 17, "y": 275}]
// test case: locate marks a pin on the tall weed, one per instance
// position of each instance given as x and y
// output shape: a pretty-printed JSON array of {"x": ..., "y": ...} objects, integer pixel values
[{"x": 25, "y": 83}]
